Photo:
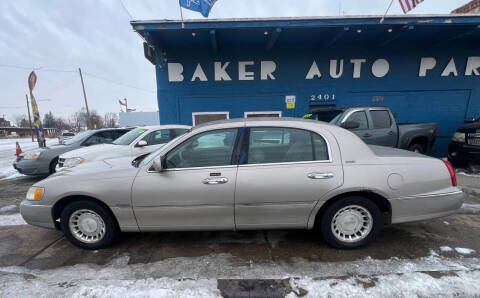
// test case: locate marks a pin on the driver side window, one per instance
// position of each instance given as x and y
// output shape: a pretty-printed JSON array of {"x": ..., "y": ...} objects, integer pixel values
[
  {"x": 213, "y": 148},
  {"x": 359, "y": 117}
]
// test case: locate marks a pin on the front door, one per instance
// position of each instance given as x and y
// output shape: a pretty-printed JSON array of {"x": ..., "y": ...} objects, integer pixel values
[
  {"x": 195, "y": 191},
  {"x": 384, "y": 131},
  {"x": 364, "y": 130},
  {"x": 282, "y": 176}
]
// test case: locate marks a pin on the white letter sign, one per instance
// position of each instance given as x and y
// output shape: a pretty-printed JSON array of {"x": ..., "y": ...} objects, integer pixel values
[
  {"x": 426, "y": 63},
  {"x": 313, "y": 72},
  {"x": 244, "y": 75},
  {"x": 175, "y": 71}
]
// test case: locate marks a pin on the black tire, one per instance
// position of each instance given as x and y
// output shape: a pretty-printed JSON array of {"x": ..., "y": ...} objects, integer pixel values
[
  {"x": 416, "y": 147},
  {"x": 327, "y": 218},
  {"x": 110, "y": 224},
  {"x": 53, "y": 165}
]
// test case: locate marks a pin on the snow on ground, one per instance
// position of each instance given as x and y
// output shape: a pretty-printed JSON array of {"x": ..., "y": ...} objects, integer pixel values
[
  {"x": 7, "y": 208},
  {"x": 445, "y": 248},
  {"x": 470, "y": 208},
  {"x": 7, "y": 154},
  {"x": 464, "y": 251},
  {"x": 196, "y": 277},
  {"x": 11, "y": 220}
]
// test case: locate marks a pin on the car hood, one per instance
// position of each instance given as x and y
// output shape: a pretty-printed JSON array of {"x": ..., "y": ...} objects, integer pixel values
[
  {"x": 471, "y": 128},
  {"x": 54, "y": 148},
  {"x": 90, "y": 150},
  {"x": 99, "y": 169}
]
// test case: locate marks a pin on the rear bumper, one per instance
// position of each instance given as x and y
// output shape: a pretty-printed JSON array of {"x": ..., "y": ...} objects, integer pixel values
[
  {"x": 461, "y": 153},
  {"x": 37, "y": 215},
  {"x": 424, "y": 207}
]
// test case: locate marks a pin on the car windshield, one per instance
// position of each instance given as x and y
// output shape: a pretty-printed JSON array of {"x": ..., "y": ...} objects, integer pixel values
[
  {"x": 129, "y": 137},
  {"x": 79, "y": 137},
  {"x": 334, "y": 120},
  {"x": 158, "y": 151}
]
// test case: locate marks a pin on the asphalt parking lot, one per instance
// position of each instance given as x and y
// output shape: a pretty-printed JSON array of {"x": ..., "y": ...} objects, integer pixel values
[{"x": 246, "y": 254}]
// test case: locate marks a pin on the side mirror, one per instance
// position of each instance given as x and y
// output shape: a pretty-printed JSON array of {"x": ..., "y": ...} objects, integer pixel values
[
  {"x": 141, "y": 143},
  {"x": 395, "y": 115},
  {"x": 350, "y": 125},
  {"x": 158, "y": 164}
]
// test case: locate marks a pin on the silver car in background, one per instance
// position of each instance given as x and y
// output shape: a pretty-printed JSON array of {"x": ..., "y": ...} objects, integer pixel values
[{"x": 248, "y": 174}]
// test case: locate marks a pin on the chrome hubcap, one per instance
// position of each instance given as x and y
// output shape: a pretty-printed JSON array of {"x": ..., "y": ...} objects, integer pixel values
[
  {"x": 87, "y": 226},
  {"x": 352, "y": 223}
]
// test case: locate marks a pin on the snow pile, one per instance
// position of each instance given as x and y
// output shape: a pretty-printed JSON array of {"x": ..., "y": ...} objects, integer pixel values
[
  {"x": 5, "y": 209},
  {"x": 470, "y": 208},
  {"x": 446, "y": 248},
  {"x": 416, "y": 284},
  {"x": 464, "y": 251},
  {"x": 11, "y": 220}
]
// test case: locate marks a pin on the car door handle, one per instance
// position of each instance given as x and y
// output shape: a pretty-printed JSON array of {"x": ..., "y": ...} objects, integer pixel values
[
  {"x": 217, "y": 180},
  {"x": 390, "y": 133},
  {"x": 366, "y": 135},
  {"x": 320, "y": 175}
]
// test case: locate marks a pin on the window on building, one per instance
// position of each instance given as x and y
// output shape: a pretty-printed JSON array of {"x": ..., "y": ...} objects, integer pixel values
[
  {"x": 359, "y": 117},
  {"x": 275, "y": 114},
  {"x": 213, "y": 148},
  {"x": 275, "y": 145},
  {"x": 381, "y": 119},
  {"x": 202, "y": 117}
]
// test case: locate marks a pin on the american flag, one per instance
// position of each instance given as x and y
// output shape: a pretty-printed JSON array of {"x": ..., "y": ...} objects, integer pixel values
[{"x": 408, "y": 5}]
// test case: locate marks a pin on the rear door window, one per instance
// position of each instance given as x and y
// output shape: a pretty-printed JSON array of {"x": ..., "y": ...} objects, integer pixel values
[
  {"x": 277, "y": 145},
  {"x": 381, "y": 119}
]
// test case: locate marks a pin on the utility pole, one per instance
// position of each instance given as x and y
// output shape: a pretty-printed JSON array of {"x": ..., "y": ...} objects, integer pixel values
[
  {"x": 29, "y": 117},
  {"x": 85, "y": 97}
]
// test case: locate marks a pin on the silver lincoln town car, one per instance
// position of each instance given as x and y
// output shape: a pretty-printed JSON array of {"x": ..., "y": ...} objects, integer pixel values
[{"x": 248, "y": 174}]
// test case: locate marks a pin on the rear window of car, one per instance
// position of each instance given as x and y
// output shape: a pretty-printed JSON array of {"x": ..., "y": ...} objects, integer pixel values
[
  {"x": 381, "y": 119},
  {"x": 276, "y": 145}
]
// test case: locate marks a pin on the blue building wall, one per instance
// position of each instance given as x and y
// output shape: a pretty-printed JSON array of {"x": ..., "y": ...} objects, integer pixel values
[{"x": 447, "y": 100}]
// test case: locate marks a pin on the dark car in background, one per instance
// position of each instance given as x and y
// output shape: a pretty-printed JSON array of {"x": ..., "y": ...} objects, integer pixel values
[
  {"x": 464, "y": 149},
  {"x": 42, "y": 161}
]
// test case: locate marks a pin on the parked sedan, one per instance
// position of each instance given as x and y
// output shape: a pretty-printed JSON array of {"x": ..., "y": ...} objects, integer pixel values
[
  {"x": 248, "y": 174},
  {"x": 137, "y": 142},
  {"x": 43, "y": 161}
]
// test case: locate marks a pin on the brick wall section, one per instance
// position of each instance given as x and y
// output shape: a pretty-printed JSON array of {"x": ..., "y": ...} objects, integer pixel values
[{"x": 471, "y": 7}]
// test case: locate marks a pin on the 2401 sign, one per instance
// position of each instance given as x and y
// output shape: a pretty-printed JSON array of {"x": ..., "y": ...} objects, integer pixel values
[{"x": 323, "y": 97}]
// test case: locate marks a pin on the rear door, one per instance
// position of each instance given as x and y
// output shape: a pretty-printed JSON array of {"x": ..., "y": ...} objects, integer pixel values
[
  {"x": 384, "y": 131},
  {"x": 283, "y": 172}
]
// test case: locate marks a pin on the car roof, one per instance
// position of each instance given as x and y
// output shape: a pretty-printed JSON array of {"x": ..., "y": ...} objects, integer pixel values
[{"x": 266, "y": 120}]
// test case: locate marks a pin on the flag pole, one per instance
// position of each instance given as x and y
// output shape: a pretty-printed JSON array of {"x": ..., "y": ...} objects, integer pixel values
[
  {"x": 383, "y": 18},
  {"x": 181, "y": 14}
]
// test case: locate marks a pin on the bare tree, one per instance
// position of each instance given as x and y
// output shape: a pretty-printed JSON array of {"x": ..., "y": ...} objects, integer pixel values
[
  {"x": 21, "y": 120},
  {"x": 110, "y": 120}
]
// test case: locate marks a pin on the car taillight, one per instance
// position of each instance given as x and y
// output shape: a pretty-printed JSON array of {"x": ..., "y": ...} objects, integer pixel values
[{"x": 451, "y": 171}]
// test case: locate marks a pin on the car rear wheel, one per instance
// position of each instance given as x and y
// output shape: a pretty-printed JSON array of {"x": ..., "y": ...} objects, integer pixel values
[
  {"x": 88, "y": 225},
  {"x": 351, "y": 222}
]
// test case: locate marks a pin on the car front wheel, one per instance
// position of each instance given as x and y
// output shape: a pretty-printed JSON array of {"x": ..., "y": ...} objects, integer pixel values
[
  {"x": 351, "y": 222},
  {"x": 88, "y": 225}
]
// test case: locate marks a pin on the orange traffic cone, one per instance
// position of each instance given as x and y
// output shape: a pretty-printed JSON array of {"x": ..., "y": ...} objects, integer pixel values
[{"x": 18, "y": 150}]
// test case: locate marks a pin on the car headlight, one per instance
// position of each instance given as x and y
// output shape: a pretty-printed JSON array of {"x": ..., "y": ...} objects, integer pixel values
[
  {"x": 35, "y": 193},
  {"x": 31, "y": 155},
  {"x": 459, "y": 137},
  {"x": 72, "y": 162}
]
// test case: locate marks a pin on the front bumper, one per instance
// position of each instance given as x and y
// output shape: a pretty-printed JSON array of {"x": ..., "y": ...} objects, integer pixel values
[
  {"x": 36, "y": 214},
  {"x": 31, "y": 167},
  {"x": 462, "y": 153},
  {"x": 424, "y": 207}
]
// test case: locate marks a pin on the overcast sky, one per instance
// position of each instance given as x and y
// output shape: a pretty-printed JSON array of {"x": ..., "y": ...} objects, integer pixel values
[{"x": 57, "y": 36}]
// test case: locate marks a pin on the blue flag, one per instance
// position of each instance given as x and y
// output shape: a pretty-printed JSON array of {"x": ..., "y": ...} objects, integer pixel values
[{"x": 202, "y": 6}]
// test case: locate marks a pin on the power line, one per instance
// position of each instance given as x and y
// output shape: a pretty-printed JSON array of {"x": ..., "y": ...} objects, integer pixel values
[
  {"x": 126, "y": 10},
  {"x": 74, "y": 71}
]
